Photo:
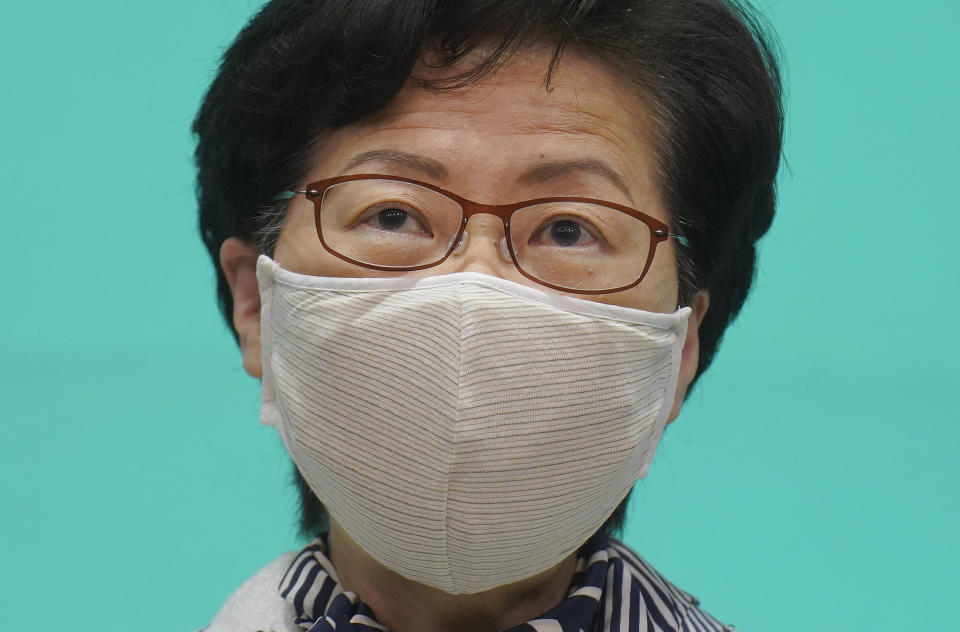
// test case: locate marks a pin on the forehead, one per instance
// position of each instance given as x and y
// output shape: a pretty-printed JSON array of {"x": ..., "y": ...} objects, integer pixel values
[
  {"x": 507, "y": 122},
  {"x": 579, "y": 94}
]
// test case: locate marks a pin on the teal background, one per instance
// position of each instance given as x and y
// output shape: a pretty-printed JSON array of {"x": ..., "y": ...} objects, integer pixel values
[{"x": 811, "y": 482}]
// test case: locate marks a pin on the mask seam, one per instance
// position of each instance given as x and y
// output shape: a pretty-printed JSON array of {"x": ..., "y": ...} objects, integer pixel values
[{"x": 451, "y": 459}]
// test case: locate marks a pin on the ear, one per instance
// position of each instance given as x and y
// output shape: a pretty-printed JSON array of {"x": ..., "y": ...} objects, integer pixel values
[
  {"x": 690, "y": 356},
  {"x": 238, "y": 259}
]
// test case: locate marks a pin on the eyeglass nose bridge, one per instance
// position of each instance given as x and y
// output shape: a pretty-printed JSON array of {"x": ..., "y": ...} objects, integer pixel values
[{"x": 469, "y": 208}]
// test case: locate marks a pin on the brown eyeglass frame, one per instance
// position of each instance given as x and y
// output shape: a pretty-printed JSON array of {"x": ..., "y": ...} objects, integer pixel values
[{"x": 314, "y": 192}]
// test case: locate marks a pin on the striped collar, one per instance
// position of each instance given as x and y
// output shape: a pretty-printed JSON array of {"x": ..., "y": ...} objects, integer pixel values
[{"x": 613, "y": 590}]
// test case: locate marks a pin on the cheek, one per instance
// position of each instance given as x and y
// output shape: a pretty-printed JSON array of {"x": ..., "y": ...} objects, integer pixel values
[
  {"x": 662, "y": 280},
  {"x": 657, "y": 292},
  {"x": 299, "y": 248}
]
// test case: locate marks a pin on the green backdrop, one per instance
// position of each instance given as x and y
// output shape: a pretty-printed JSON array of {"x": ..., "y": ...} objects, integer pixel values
[{"x": 811, "y": 482}]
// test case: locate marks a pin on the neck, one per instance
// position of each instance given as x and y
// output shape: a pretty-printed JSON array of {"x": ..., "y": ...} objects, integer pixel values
[{"x": 407, "y": 606}]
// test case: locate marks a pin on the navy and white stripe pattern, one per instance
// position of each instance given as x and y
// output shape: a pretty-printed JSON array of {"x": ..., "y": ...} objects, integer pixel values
[{"x": 613, "y": 590}]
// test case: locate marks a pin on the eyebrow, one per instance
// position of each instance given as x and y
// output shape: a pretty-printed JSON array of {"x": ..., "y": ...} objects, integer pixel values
[
  {"x": 538, "y": 174},
  {"x": 558, "y": 168},
  {"x": 423, "y": 164}
]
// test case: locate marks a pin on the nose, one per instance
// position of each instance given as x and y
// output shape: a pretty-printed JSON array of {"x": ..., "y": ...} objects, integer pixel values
[{"x": 483, "y": 248}]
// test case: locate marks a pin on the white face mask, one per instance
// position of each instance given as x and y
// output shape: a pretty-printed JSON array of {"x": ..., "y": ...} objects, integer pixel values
[{"x": 466, "y": 431}]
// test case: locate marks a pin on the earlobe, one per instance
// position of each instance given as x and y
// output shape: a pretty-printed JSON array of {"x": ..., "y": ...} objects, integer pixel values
[
  {"x": 238, "y": 260},
  {"x": 690, "y": 356}
]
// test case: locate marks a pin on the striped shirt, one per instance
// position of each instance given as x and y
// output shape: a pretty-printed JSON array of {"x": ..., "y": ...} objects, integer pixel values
[{"x": 613, "y": 590}]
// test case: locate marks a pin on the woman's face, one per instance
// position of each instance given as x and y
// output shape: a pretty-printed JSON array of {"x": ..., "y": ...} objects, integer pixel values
[{"x": 505, "y": 139}]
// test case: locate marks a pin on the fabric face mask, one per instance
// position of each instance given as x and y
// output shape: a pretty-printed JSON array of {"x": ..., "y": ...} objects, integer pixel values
[{"x": 466, "y": 431}]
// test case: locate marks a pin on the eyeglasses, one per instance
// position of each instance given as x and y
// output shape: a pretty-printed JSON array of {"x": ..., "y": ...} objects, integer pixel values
[{"x": 570, "y": 244}]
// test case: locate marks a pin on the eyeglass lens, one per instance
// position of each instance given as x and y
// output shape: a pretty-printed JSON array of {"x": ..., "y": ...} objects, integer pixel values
[{"x": 398, "y": 224}]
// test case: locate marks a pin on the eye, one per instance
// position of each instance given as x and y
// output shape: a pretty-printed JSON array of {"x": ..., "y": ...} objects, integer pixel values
[
  {"x": 565, "y": 232},
  {"x": 391, "y": 218},
  {"x": 394, "y": 217}
]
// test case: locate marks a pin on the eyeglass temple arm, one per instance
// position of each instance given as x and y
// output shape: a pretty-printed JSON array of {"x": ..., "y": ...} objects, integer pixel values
[{"x": 286, "y": 195}]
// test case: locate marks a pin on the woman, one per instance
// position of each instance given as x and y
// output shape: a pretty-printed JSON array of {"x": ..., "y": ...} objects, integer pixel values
[{"x": 478, "y": 254}]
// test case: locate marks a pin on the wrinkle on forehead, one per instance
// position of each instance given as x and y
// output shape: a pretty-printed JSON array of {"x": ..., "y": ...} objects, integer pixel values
[{"x": 622, "y": 121}]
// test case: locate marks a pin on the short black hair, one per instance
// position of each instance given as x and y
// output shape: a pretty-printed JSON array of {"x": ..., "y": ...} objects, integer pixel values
[{"x": 708, "y": 69}]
